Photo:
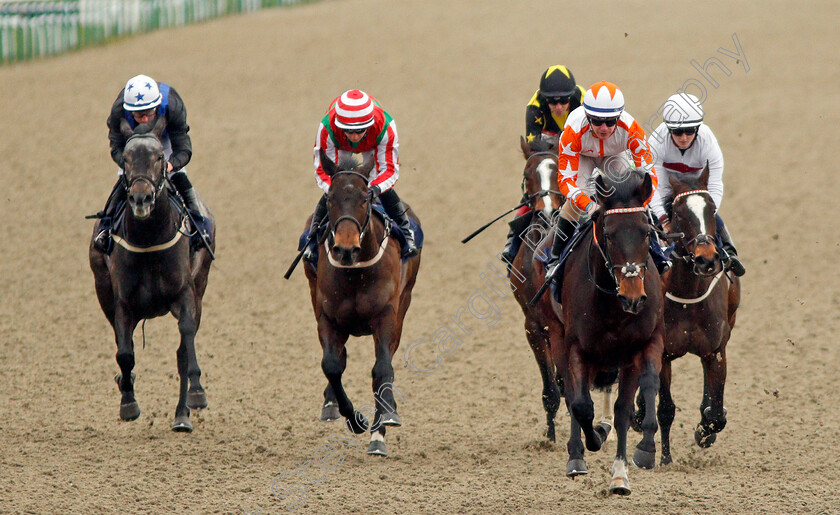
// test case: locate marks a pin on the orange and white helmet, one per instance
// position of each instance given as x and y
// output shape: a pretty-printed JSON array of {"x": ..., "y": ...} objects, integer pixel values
[
  {"x": 141, "y": 93},
  {"x": 603, "y": 100},
  {"x": 682, "y": 110},
  {"x": 354, "y": 110}
]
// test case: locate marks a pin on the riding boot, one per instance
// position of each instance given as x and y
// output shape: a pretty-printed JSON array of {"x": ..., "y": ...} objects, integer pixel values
[
  {"x": 396, "y": 210},
  {"x": 514, "y": 241},
  {"x": 310, "y": 253},
  {"x": 102, "y": 241},
  {"x": 663, "y": 264},
  {"x": 192, "y": 202},
  {"x": 730, "y": 257},
  {"x": 563, "y": 235}
]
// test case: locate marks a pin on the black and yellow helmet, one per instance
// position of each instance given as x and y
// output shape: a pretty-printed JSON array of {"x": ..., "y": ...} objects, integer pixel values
[{"x": 557, "y": 81}]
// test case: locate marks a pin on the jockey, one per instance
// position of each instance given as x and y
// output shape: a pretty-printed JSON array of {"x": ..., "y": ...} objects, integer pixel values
[
  {"x": 683, "y": 144},
  {"x": 601, "y": 134},
  {"x": 356, "y": 123},
  {"x": 545, "y": 116},
  {"x": 141, "y": 102}
]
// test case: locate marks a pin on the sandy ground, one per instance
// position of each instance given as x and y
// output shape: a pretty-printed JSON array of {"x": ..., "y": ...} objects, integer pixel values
[{"x": 456, "y": 77}]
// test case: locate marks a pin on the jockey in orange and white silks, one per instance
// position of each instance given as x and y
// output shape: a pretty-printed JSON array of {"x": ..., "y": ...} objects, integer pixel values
[
  {"x": 683, "y": 145},
  {"x": 355, "y": 123},
  {"x": 599, "y": 134}
]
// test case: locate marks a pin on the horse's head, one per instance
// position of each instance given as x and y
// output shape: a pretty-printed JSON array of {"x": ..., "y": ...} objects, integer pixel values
[
  {"x": 693, "y": 214},
  {"x": 349, "y": 203},
  {"x": 622, "y": 232},
  {"x": 145, "y": 166},
  {"x": 539, "y": 179}
]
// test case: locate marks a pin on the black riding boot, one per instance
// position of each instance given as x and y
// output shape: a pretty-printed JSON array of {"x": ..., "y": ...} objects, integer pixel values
[
  {"x": 191, "y": 201},
  {"x": 514, "y": 240},
  {"x": 731, "y": 259},
  {"x": 396, "y": 210},
  {"x": 309, "y": 254},
  {"x": 102, "y": 241},
  {"x": 563, "y": 235}
]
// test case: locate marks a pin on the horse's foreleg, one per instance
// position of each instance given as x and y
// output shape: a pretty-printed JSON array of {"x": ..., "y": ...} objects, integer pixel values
[
  {"x": 579, "y": 401},
  {"x": 666, "y": 411},
  {"x": 627, "y": 383},
  {"x": 712, "y": 411},
  {"x": 386, "y": 335},
  {"x": 650, "y": 365},
  {"x": 191, "y": 394},
  {"x": 538, "y": 340},
  {"x": 124, "y": 325},
  {"x": 332, "y": 364}
]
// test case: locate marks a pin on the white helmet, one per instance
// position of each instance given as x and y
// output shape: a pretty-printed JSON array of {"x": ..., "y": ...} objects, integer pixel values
[
  {"x": 682, "y": 110},
  {"x": 141, "y": 93},
  {"x": 603, "y": 100}
]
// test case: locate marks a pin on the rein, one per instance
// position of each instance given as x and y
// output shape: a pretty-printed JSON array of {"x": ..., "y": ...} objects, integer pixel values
[
  {"x": 699, "y": 299},
  {"x": 182, "y": 230},
  {"x": 697, "y": 240},
  {"x": 362, "y": 231}
]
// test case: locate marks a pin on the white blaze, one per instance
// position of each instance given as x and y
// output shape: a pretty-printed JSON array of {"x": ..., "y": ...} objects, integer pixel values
[
  {"x": 696, "y": 204},
  {"x": 544, "y": 169}
]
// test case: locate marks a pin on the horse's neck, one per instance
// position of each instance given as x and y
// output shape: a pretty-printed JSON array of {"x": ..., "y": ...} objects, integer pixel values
[
  {"x": 158, "y": 228},
  {"x": 683, "y": 281}
]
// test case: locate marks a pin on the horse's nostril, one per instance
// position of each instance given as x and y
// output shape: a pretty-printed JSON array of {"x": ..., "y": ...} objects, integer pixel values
[{"x": 336, "y": 250}]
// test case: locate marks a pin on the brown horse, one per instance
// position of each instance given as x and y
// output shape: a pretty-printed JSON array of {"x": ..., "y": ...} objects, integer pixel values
[
  {"x": 152, "y": 271},
  {"x": 361, "y": 287},
  {"x": 612, "y": 314},
  {"x": 700, "y": 306}
]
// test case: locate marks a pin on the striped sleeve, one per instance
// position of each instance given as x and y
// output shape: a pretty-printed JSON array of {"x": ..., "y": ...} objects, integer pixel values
[
  {"x": 387, "y": 158},
  {"x": 323, "y": 140}
]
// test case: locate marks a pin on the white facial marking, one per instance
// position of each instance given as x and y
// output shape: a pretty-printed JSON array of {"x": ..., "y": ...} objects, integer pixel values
[
  {"x": 544, "y": 169},
  {"x": 696, "y": 204}
]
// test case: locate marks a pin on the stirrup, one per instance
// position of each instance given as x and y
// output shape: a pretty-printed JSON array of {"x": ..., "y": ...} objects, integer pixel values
[
  {"x": 734, "y": 264},
  {"x": 103, "y": 241}
]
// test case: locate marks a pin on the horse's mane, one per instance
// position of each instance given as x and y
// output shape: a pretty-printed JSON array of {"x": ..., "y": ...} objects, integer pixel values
[
  {"x": 353, "y": 162},
  {"x": 623, "y": 186}
]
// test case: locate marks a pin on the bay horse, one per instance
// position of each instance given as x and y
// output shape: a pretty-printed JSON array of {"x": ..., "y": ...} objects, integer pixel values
[
  {"x": 152, "y": 271},
  {"x": 361, "y": 287},
  {"x": 700, "y": 305},
  {"x": 527, "y": 271},
  {"x": 612, "y": 315}
]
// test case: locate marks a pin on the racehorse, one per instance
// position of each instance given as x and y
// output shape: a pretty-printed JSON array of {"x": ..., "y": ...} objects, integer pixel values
[
  {"x": 611, "y": 300},
  {"x": 700, "y": 306},
  {"x": 361, "y": 287},
  {"x": 152, "y": 271}
]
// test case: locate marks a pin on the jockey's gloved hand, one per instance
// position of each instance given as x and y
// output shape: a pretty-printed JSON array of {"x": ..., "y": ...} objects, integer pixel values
[
  {"x": 375, "y": 191},
  {"x": 590, "y": 208}
]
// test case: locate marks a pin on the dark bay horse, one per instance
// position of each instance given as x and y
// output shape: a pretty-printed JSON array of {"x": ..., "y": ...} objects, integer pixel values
[
  {"x": 152, "y": 271},
  {"x": 612, "y": 314},
  {"x": 700, "y": 306},
  {"x": 361, "y": 287},
  {"x": 527, "y": 272}
]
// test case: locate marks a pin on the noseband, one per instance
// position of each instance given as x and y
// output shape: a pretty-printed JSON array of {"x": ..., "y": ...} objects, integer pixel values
[
  {"x": 628, "y": 270},
  {"x": 701, "y": 239},
  {"x": 156, "y": 186},
  {"x": 362, "y": 227}
]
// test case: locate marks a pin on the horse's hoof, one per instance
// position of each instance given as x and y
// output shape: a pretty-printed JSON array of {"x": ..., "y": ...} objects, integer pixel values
[
  {"x": 196, "y": 400},
  {"x": 704, "y": 438},
  {"x": 377, "y": 448},
  {"x": 620, "y": 486},
  {"x": 129, "y": 411},
  {"x": 644, "y": 459},
  {"x": 603, "y": 429},
  {"x": 390, "y": 419},
  {"x": 182, "y": 424},
  {"x": 330, "y": 412},
  {"x": 576, "y": 468},
  {"x": 358, "y": 423}
]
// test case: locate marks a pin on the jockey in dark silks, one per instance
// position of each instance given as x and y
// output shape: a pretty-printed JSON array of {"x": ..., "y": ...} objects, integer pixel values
[
  {"x": 142, "y": 101},
  {"x": 545, "y": 117}
]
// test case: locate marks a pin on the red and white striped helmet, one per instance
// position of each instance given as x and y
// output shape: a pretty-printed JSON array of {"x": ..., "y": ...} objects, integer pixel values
[
  {"x": 603, "y": 100},
  {"x": 354, "y": 110}
]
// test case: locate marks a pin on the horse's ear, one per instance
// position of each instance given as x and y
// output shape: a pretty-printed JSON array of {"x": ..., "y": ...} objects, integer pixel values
[
  {"x": 704, "y": 176},
  {"x": 159, "y": 126},
  {"x": 600, "y": 187},
  {"x": 646, "y": 188},
  {"x": 125, "y": 129},
  {"x": 326, "y": 163},
  {"x": 526, "y": 149}
]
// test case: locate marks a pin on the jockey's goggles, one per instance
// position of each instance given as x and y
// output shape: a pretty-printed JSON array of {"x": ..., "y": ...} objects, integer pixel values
[
  {"x": 355, "y": 131},
  {"x": 683, "y": 130},
  {"x": 596, "y": 122},
  {"x": 558, "y": 100}
]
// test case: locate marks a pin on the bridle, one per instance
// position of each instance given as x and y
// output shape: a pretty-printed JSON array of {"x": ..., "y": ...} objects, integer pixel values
[
  {"x": 540, "y": 193},
  {"x": 701, "y": 239},
  {"x": 362, "y": 227},
  {"x": 628, "y": 270},
  {"x": 157, "y": 187}
]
